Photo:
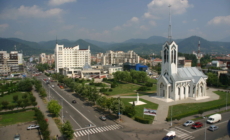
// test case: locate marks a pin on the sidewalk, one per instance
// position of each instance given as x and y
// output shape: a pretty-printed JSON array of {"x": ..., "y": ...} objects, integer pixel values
[
  {"x": 54, "y": 131},
  {"x": 162, "y": 111}
]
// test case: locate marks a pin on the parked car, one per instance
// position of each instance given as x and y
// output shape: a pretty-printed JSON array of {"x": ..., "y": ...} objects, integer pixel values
[
  {"x": 52, "y": 86},
  {"x": 213, "y": 127},
  {"x": 214, "y": 118},
  {"x": 103, "y": 118},
  {"x": 32, "y": 127},
  {"x": 197, "y": 125},
  {"x": 170, "y": 135},
  {"x": 74, "y": 101},
  {"x": 189, "y": 122},
  {"x": 17, "y": 137}
]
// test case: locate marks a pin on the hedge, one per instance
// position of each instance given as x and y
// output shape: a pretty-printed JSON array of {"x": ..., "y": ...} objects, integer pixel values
[
  {"x": 141, "y": 120},
  {"x": 194, "y": 112},
  {"x": 15, "y": 111}
]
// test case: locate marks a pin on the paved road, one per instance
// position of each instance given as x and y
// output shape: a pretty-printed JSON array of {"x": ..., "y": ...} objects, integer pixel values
[
  {"x": 199, "y": 134},
  {"x": 82, "y": 114}
]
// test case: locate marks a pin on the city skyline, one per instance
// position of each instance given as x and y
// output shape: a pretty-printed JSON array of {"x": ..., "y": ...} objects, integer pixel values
[{"x": 113, "y": 21}]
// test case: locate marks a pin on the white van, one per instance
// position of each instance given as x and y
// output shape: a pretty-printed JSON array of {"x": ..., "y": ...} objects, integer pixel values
[{"x": 214, "y": 118}]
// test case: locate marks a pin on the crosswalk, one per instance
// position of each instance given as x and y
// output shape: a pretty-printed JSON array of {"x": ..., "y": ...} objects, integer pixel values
[
  {"x": 94, "y": 130},
  {"x": 180, "y": 134}
]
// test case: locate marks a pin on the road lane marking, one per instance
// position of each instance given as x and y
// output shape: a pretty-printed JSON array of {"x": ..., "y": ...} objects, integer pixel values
[
  {"x": 75, "y": 108},
  {"x": 183, "y": 129},
  {"x": 75, "y": 121}
]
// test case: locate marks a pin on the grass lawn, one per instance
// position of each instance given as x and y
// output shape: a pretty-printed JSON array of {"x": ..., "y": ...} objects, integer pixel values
[
  {"x": 141, "y": 93},
  {"x": 140, "y": 108},
  {"x": 123, "y": 88},
  {"x": 190, "y": 107},
  {"x": 14, "y": 118},
  {"x": 9, "y": 97}
]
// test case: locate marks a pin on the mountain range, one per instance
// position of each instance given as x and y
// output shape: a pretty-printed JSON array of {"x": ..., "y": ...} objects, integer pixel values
[{"x": 150, "y": 45}]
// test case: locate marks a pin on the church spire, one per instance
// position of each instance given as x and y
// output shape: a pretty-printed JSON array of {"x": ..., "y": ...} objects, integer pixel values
[{"x": 169, "y": 29}]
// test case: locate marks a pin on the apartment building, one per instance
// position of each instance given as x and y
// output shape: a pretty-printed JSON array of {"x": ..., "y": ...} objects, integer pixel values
[
  {"x": 71, "y": 57},
  {"x": 46, "y": 58},
  {"x": 119, "y": 57},
  {"x": 10, "y": 62}
]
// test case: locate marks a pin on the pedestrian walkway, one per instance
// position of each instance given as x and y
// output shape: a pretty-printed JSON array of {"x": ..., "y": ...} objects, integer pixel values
[
  {"x": 180, "y": 134},
  {"x": 94, "y": 130},
  {"x": 54, "y": 131}
]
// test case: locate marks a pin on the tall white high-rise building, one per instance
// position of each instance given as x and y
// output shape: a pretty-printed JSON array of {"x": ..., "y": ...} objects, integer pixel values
[{"x": 71, "y": 57}]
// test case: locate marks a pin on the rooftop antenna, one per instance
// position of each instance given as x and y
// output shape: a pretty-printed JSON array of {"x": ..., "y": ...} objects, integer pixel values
[{"x": 170, "y": 30}]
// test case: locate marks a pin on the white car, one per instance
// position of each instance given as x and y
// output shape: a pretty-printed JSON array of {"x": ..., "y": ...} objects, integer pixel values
[
  {"x": 32, "y": 127},
  {"x": 189, "y": 122}
]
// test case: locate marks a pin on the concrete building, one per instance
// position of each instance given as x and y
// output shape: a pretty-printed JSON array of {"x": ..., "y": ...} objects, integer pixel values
[
  {"x": 111, "y": 69},
  {"x": 182, "y": 62},
  {"x": 71, "y": 57},
  {"x": 10, "y": 62},
  {"x": 179, "y": 83},
  {"x": 119, "y": 57},
  {"x": 47, "y": 58}
]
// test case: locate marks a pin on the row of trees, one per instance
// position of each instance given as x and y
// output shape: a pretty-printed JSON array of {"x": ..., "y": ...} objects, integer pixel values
[
  {"x": 132, "y": 76},
  {"x": 45, "y": 66}
]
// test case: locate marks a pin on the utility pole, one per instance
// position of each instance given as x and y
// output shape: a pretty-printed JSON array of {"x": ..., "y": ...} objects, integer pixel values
[
  {"x": 62, "y": 111},
  {"x": 119, "y": 109},
  {"x": 171, "y": 115},
  {"x": 226, "y": 100}
]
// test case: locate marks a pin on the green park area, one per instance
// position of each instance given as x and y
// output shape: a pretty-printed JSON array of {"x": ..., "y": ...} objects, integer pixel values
[
  {"x": 9, "y": 97},
  {"x": 140, "y": 108},
  {"x": 19, "y": 117},
  {"x": 183, "y": 110}
]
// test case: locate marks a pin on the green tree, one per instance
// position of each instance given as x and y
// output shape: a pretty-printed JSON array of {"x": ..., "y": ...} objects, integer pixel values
[
  {"x": 54, "y": 107},
  {"x": 67, "y": 130},
  {"x": 5, "y": 104},
  {"x": 130, "y": 110},
  {"x": 25, "y": 85},
  {"x": 15, "y": 98},
  {"x": 117, "y": 106}
]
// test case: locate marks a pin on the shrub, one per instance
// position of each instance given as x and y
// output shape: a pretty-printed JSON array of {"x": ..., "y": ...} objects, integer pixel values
[
  {"x": 110, "y": 90},
  {"x": 142, "y": 88},
  {"x": 149, "y": 84},
  {"x": 130, "y": 111},
  {"x": 141, "y": 120}
]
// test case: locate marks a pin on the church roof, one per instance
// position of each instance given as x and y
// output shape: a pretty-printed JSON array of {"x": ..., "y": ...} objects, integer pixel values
[{"x": 188, "y": 73}]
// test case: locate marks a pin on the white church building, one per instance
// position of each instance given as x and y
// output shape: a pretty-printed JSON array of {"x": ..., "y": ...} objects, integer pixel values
[{"x": 179, "y": 83}]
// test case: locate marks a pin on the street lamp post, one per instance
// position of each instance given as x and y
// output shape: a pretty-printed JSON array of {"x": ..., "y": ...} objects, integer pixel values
[
  {"x": 226, "y": 100},
  {"x": 62, "y": 111},
  {"x": 204, "y": 128},
  {"x": 171, "y": 115}
]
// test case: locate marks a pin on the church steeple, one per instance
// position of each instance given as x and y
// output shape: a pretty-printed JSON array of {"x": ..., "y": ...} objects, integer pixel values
[{"x": 169, "y": 53}]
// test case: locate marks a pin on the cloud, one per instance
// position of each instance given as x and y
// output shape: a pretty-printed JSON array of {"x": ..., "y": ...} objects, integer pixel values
[
  {"x": 134, "y": 19},
  {"x": 3, "y": 27},
  {"x": 153, "y": 23},
  {"x": 143, "y": 27},
  {"x": 220, "y": 20},
  {"x": 117, "y": 28},
  {"x": 30, "y": 12},
  {"x": 59, "y": 2},
  {"x": 158, "y": 8}
]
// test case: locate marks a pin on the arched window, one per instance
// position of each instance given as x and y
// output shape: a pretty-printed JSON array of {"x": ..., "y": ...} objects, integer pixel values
[
  {"x": 165, "y": 55},
  {"x": 161, "y": 85},
  {"x": 184, "y": 90},
  {"x": 178, "y": 91},
  {"x": 174, "y": 56}
]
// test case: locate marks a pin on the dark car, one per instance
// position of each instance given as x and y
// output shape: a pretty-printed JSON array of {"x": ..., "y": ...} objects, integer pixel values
[
  {"x": 197, "y": 125},
  {"x": 74, "y": 101},
  {"x": 168, "y": 137},
  {"x": 103, "y": 118}
]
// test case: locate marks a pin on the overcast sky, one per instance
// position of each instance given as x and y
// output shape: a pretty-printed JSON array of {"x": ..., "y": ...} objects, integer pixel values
[{"x": 113, "y": 20}]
